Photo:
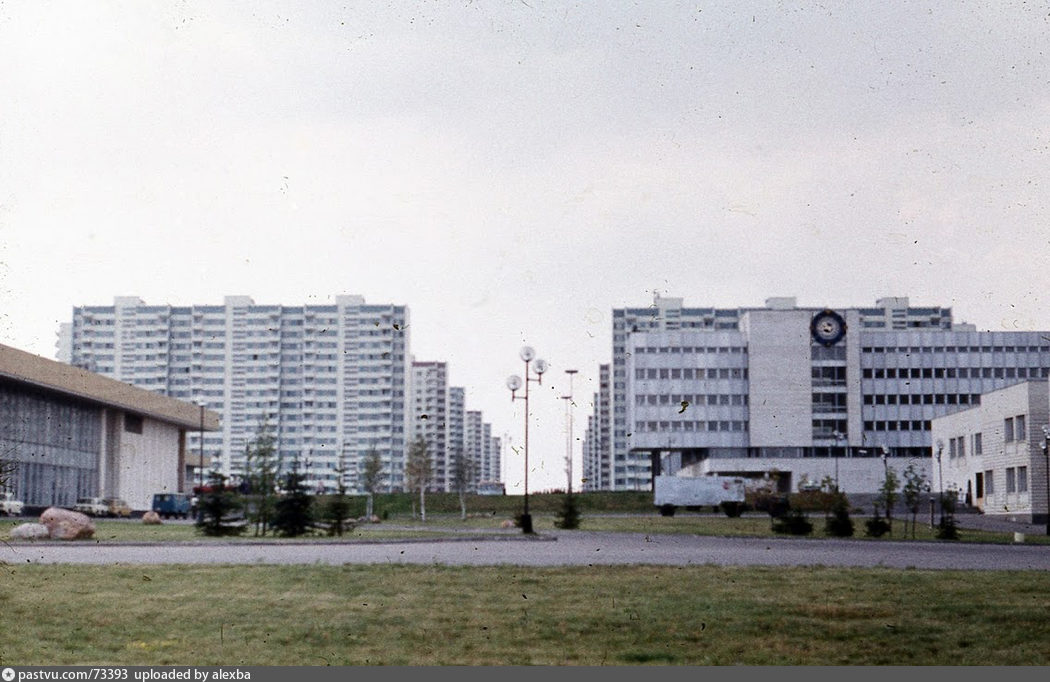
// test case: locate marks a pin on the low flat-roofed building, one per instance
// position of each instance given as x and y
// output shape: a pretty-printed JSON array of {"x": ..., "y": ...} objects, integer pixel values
[
  {"x": 67, "y": 433},
  {"x": 992, "y": 455}
]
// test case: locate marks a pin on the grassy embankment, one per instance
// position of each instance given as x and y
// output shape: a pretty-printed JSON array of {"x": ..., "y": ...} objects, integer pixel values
[{"x": 616, "y": 615}]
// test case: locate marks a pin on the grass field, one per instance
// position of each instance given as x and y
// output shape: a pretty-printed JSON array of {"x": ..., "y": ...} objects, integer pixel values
[
  {"x": 415, "y": 615},
  {"x": 402, "y": 526}
]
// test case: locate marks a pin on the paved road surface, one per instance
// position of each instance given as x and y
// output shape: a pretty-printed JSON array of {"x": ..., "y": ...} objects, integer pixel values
[{"x": 564, "y": 548}]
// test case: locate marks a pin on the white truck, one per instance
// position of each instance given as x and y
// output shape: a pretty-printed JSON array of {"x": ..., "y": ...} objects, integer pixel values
[
  {"x": 670, "y": 492},
  {"x": 9, "y": 506}
]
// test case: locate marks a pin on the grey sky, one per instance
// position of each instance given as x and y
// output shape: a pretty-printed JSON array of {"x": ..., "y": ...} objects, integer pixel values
[{"x": 514, "y": 170}]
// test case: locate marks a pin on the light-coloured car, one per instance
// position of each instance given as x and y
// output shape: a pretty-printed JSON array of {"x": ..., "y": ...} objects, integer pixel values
[
  {"x": 116, "y": 507},
  {"x": 9, "y": 505},
  {"x": 92, "y": 506}
]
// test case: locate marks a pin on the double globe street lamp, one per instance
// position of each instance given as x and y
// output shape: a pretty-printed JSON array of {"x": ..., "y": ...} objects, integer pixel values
[{"x": 514, "y": 383}]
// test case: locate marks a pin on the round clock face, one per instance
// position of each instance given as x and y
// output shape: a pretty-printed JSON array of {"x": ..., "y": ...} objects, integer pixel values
[{"x": 828, "y": 327}]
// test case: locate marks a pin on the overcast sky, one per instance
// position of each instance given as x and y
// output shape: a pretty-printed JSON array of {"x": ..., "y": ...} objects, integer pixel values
[{"x": 513, "y": 170}]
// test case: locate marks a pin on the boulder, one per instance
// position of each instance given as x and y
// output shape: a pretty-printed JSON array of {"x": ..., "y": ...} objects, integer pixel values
[
  {"x": 151, "y": 518},
  {"x": 30, "y": 531},
  {"x": 65, "y": 524}
]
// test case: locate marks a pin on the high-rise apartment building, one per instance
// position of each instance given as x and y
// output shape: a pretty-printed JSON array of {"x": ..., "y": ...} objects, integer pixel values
[
  {"x": 330, "y": 382},
  {"x": 430, "y": 419},
  {"x": 793, "y": 389}
]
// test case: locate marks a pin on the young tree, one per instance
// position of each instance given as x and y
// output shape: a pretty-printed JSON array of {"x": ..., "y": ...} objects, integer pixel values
[
  {"x": 462, "y": 477},
  {"x": 888, "y": 496},
  {"x": 293, "y": 515},
  {"x": 371, "y": 477},
  {"x": 337, "y": 511},
  {"x": 915, "y": 485},
  {"x": 418, "y": 472},
  {"x": 568, "y": 516},
  {"x": 260, "y": 471},
  {"x": 220, "y": 509},
  {"x": 947, "y": 529}
]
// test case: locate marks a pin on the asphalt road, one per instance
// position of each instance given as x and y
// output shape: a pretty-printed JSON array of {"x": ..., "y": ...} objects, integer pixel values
[{"x": 565, "y": 548}]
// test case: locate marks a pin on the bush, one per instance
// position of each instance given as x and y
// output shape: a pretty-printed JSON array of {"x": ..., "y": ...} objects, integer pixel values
[
  {"x": 876, "y": 527},
  {"x": 947, "y": 529},
  {"x": 221, "y": 509},
  {"x": 794, "y": 522},
  {"x": 732, "y": 509},
  {"x": 569, "y": 516},
  {"x": 839, "y": 524}
]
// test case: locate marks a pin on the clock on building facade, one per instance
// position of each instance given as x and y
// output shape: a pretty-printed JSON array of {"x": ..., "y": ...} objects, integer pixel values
[{"x": 827, "y": 327}]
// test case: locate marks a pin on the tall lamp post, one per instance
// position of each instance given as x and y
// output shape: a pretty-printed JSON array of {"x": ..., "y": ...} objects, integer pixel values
[
  {"x": 568, "y": 419},
  {"x": 839, "y": 437},
  {"x": 514, "y": 382},
  {"x": 940, "y": 481},
  {"x": 1046, "y": 457}
]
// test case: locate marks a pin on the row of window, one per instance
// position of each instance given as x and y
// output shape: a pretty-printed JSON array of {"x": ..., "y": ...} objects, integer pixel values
[
  {"x": 686, "y": 426},
  {"x": 685, "y": 400},
  {"x": 651, "y": 350},
  {"x": 955, "y": 349},
  {"x": 923, "y": 399},
  {"x": 904, "y": 425},
  {"x": 691, "y": 373},
  {"x": 956, "y": 373}
]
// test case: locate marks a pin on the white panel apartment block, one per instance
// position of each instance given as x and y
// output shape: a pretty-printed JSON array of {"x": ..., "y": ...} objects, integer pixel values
[{"x": 327, "y": 380}]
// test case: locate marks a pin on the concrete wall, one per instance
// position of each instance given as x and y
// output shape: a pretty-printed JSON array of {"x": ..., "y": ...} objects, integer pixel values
[{"x": 780, "y": 381}]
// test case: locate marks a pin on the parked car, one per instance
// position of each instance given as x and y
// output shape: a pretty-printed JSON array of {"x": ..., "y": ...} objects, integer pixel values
[
  {"x": 9, "y": 505},
  {"x": 92, "y": 506},
  {"x": 172, "y": 505},
  {"x": 116, "y": 507}
]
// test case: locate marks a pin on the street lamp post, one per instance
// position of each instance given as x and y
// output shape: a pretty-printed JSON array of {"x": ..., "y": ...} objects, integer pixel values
[
  {"x": 1046, "y": 457},
  {"x": 839, "y": 437},
  {"x": 568, "y": 419},
  {"x": 940, "y": 481},
  {"x": 514, "y": 382}
]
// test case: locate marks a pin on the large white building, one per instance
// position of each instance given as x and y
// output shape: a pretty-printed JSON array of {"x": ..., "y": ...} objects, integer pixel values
[
  {"x": 68, "y": 433},
  {"x": 327, "y": 380},
  {"x": 993, "y": 455},
  {"x": 808, "y": 392}
]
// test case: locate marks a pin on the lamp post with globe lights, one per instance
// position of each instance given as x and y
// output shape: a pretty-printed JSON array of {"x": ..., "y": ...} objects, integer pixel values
[
  {"x": 514, "y": 382},
  {"x": 1046, "y": 457}
]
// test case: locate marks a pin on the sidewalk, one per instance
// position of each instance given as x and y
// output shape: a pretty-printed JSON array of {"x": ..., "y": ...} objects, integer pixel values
[{"x": 985, "y": 522}]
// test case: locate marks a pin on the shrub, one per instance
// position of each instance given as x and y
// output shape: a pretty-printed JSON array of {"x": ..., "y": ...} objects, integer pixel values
[
  {"x": 839, "y": 524},
  {"x": 732, "y": 509},
  {"x": 794, "y": 522},
  {"x": 569, "y": 516}
]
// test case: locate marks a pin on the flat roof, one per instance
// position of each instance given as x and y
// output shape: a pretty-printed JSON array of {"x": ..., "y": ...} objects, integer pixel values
[{"x": 58, "y": 377}]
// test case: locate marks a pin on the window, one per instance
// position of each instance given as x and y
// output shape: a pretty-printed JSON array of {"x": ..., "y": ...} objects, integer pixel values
[
  {"x": 977, "y": 450},
  {"x": 1008, "y": 430},
  {"x": 132, "y": 423},
  {"x": 989, "y": 483},
  {"x": 1022, "y": 479},
  {"x": 1019, "y": 427},
  {"x": 1011, "y": 480}
]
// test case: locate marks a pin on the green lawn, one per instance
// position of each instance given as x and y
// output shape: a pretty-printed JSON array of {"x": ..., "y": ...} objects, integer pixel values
[
  {"x": 617, "y": 615},
  {"x": 437, "y": 524}
]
